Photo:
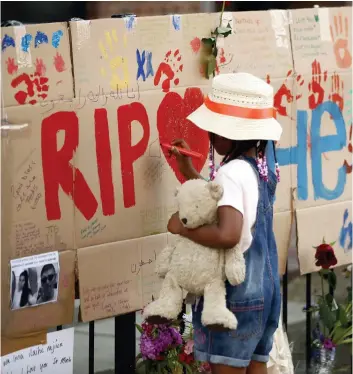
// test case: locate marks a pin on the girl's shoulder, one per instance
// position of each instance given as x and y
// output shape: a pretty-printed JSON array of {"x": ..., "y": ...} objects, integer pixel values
[{"x": 239, "y": 170}]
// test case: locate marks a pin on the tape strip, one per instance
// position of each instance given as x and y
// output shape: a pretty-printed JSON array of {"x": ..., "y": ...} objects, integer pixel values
[
  {"x": 323, "y": 20},
  {"x": 279, "y": 24},
  {"x": 83, "y": 33},
  {"x": 23, "y": 42}
]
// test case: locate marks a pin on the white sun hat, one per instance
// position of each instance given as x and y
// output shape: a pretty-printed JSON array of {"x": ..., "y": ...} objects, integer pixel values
[{"x": 239, "y": 107}]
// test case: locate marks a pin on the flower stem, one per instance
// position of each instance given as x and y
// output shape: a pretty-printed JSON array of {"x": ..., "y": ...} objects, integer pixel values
[
  {"x": 323, "y": 296},
  {"x": 222, "y": 11}
]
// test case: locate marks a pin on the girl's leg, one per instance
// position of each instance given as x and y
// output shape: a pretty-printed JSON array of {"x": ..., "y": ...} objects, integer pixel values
[
  {"x": 256, "y": 367},
  {"x": 223, "y": 369}
]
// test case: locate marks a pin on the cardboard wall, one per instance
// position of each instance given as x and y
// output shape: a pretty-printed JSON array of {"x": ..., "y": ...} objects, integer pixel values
[{"x": 103, "y": 185}]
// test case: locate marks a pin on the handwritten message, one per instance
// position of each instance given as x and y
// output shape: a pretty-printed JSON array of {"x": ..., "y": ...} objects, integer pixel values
[
  {"x": 55, "y": 357},
  {"x": 26, "y": 190},
  {"x": 92, "y": 229},
  {"x": 30, "y": 239},
  {"x": 112, "y": 298},
  {"x": 306, "y": 37}
]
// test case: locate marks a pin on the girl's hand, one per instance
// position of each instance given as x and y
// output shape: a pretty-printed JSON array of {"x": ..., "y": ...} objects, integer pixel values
[
  {"x": 184, "y": 162},
  {"x": 174, "y": 225}
]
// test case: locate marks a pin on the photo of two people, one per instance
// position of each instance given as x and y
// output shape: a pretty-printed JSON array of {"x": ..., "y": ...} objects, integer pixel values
[{"x": 34, "y": 285}]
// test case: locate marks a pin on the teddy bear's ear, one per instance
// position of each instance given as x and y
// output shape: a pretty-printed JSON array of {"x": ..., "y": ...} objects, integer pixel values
[
  {"x": 176, "y": 191},
  {"x": 216, "y": 190}
]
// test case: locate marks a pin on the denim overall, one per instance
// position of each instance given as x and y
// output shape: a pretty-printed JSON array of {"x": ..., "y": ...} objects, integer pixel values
[{"x": 256, "y": 302}]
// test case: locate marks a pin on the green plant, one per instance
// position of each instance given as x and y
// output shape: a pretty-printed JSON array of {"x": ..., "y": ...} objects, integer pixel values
[{"x": 209, "y": 47}]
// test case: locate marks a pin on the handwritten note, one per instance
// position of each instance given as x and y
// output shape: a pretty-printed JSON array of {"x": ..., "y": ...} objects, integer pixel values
[
  {"x": 92, "y": 229},
  {"x": 306, "y": 38},
  {"x": 55, "y": 357},
  {"x": 155, "y": 219},
  {"x": 261, "y": 43},
  {"x": 112, "y": 298},
  {"x": 30, "y": 239},
  {"x": 26, "y": 190},
  {"x": 153, "y": 174}
]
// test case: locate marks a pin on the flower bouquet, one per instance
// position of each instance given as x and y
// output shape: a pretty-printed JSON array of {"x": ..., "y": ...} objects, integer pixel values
[
  {"x": 334, "y": 320},
  {"x": 164, "y": 350}
]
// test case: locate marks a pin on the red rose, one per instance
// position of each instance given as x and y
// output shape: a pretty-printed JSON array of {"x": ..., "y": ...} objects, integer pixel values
[
  {"x": 147, "y": 328},
  {"x": 188, "y": 359},
  {"x": 325, "y": 256}
]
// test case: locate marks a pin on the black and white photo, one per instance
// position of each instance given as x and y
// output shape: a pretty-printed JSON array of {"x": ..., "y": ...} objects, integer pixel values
[{"x": 34, "y": 280}]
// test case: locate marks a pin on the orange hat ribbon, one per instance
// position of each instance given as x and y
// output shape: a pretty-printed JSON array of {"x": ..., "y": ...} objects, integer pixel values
[{"x": 240, "y": 112}]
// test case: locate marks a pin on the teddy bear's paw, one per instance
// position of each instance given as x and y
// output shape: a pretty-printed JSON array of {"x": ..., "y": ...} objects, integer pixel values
[
  {"x": 217, "y": 319},
  {"x": 235, "y": 274},
  {"x": 160, "y": 312}
]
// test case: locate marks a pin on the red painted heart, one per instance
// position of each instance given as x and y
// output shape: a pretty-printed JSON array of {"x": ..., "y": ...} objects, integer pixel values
[{"x": 172, "y": 124}]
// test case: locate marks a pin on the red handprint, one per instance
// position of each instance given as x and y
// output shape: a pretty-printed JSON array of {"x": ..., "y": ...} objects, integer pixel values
[
  {"x": 286, "y": 93},
  {"x": 11, "y": 66},
  {"x": 40, "y": 67},
  {"x": 317, "y": 92},
  {"x": 59, "y": 63},
  {"x": 340, "y": 42},
  {"x": 165, "y": 68},
  {"x": 37, "y": 82},
  {"x": 337, "y": 88},
  {"x": 350, "y": 149}
]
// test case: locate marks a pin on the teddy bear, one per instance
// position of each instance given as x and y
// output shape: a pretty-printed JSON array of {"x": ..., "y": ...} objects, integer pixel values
[{"x": 195, "y": 269}]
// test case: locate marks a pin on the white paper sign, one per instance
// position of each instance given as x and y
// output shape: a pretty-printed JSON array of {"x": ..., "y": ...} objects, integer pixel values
[{"x": 55, "y": 357}]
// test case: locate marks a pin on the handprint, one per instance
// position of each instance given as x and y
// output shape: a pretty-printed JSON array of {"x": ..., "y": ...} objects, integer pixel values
[
  {"x": 35, "y": 84},
  {"x": 340, "y": 42},
  {"x": 337, "y": 89},
  {"x": 170, "y": 67},
  {"x": 116, "y": 62},
  {"x": 11, "y": 66},
  {"x": 317, "y": 92},
  {"x": 281, "y": 105}
]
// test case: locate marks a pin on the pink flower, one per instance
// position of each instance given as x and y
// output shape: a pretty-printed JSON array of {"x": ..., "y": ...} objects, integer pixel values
[{"x": 189, "y": 347}]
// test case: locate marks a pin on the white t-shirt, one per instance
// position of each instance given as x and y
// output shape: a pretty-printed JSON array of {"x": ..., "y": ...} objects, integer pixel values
[
  {"x": 240, "y": 191},
  {"x": 16, "y": 299}
]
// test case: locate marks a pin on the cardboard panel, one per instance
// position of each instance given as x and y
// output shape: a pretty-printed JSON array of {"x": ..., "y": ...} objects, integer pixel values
[
  {"x": 31, "y": 227},
  {"x": 142, "y": 54},
  {"x": 334, "y": 223},
  {"x": 124, "y": 278},
  {"x": 283, "y": 104},
  {"x": 282, "y": 225},
  {"x": 13, "y": 345},
  {"x": 20, "y": 322},
  {"x": 321, "y": 154},
  {"x": 322, "y": 34},
  {"x": 36, "y": 63},
  {"x": 120, "y": 158},
  {"x": 259, "y": 44}
]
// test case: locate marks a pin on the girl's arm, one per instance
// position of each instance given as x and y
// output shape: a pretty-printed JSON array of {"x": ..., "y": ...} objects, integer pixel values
[{"x": 223, "y": 235}]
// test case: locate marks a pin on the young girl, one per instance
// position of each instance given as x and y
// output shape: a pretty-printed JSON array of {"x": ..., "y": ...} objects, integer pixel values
[{"x": 238, "y": 114}]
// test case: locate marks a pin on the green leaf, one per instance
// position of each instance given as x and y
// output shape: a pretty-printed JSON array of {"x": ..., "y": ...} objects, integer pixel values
[
  {"x": 208, "y": 41},
  {"x": 332, "y": 279},
  {"x": 225, "y": 31},
  {"x": 139, "y": 328},
  {"x": 139, "y": 356},
  {"x": 187, "y": 367},
  {"x": 141, "y": 364},
  {"x": 211, "y": 65},
  {"x": 329, "y": 300},
  {"x": 342, "y": 316},
  {"x": 327, "y": 316}
]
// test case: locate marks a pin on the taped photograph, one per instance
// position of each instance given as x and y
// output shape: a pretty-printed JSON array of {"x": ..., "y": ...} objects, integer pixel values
[{"x": 34, "y": 280}]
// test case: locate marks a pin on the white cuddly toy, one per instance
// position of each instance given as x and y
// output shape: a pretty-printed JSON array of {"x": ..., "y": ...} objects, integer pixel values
[{"x": 194, "y": 268}]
